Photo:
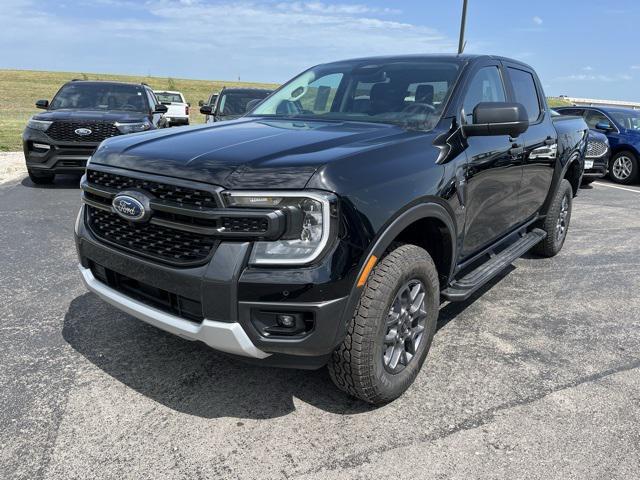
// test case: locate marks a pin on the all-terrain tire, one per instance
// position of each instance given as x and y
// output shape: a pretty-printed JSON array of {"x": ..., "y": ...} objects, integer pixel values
[
  {"x": 357, "y": 365},
  {"x": 556, "y": 223}
]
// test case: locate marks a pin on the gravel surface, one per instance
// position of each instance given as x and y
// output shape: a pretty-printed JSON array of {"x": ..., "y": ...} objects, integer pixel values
[
  {"x": 535, "y": 377},
  {"x": 12, "y": 166}
]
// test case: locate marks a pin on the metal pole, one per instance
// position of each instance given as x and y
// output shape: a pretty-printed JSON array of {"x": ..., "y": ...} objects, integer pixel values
[{"x": 462, "y": 25}]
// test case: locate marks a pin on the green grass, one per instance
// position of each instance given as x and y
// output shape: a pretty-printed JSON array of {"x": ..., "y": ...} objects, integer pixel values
[{"x": 19, "y": 89}]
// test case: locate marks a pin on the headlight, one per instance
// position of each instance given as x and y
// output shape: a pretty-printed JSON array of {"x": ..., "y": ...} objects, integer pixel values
[
  {"x": 125, "y": 127},
  {"x": 41, "y": 125},
  {"x": 309, "y": 218}
]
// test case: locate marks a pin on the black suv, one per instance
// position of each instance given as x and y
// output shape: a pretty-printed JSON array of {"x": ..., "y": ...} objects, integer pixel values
[
  {"x": 80, "y": 116},
  {"x": 326, "y": 226},
  {"x": 232, "y": 103}
]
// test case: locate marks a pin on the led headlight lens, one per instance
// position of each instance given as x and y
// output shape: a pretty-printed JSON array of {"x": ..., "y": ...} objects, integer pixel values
[
  {"x": 308, "y": 225},
  {"x": 41, "y": 125},
  {"x": 132, "y": 127}
]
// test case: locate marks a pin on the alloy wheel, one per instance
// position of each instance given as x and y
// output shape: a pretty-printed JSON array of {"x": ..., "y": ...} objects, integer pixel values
[
  {"x": 562, "y": 224},
  {"x": 622, "y": 167},
  {"x": 405, "y": 326}
]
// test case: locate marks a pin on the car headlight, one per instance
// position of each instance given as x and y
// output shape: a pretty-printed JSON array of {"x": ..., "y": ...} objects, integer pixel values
[
  {"x": 309, "y": 224},
  {"x": 132, "y": 127},
  {"x": 41, "y": 125}
]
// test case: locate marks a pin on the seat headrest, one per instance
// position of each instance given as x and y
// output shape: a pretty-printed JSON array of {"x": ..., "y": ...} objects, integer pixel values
[{"x": 424, "y": 94}]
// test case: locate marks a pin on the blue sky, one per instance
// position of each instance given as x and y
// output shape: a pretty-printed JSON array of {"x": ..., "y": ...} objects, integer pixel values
[{"x": 579, "y": 47}]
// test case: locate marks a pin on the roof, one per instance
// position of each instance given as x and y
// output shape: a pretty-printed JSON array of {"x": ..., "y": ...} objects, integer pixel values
[{"x": 112, "y": 82}]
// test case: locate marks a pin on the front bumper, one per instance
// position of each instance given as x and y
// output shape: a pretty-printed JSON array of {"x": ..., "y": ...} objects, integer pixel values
[
  {"x": 177, "y": 120},
  {"x": 60, "y": 157},
  {"x": 233, "y": 298},
  {"x": 598, "y": 168}
]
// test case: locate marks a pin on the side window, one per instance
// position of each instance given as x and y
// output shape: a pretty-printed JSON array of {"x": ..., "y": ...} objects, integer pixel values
[
  {"x": 486, "y": 86},
  {"x": 524, "y": 87},
  {"x": 571, "y": 111},
  {"x": 153, "y": 101},
  {"x": 593, "y": 118}
]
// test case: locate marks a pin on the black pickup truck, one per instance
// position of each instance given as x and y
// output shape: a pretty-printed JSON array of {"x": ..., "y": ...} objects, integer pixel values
[{"x": 327, "y": 226}]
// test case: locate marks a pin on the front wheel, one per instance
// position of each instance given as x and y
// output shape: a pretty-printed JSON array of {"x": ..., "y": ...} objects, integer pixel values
[
  {"x": 624, "y": 168},
  {"x": 556, "y": 223},
  {"x": 392, "y": 329}
]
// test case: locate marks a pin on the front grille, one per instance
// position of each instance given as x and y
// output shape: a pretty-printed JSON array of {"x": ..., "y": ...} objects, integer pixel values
[
  {"x": 150, "y": 240},
  {"x": 245, "y": 224},
  {"x": 65, "y": 131},
  {"x": 172, "y": 193},
  {"x": 596, "y": 149},
  {"x": 187, "y": 308}
]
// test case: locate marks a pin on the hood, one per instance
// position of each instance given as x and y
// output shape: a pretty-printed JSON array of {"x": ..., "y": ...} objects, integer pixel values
[
  {"x": 91, "y": 116},
  {"x": 246, "y": 153}
]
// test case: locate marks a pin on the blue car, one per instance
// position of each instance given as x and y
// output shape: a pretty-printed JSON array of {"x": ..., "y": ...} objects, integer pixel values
[{"x": 622, "y": 128}]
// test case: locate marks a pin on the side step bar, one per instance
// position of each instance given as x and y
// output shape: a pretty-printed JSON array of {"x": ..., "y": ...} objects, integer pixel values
[{"x": 462, "y": 289}]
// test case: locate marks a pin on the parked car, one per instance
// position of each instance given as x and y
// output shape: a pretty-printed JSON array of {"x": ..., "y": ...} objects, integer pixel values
[
  {"x": 210, "y": 102},
  {"x": 80, "y": 116},
  {"x": 622, "y": 128},
  {"x": 231, "y": 103},
  {"x": 178, "y": 108},
  {"x": 325, "y": 227}
]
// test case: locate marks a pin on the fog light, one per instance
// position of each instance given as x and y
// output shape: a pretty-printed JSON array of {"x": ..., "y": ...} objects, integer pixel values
[
  {"x": 41, "y": 146},
  {"x": 285, "y": 320}
]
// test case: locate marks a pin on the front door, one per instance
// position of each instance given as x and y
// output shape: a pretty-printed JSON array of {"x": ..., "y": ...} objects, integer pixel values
[{"x": 494, "y": 168}]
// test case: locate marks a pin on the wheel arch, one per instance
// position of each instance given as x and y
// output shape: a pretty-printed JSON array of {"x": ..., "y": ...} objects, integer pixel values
[{"x": 428, "y": 225}]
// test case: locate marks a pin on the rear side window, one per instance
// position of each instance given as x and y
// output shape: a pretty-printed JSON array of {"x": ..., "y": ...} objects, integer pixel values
[
  {"x": 524, "y": 87},
  {"x": 571, "y": 111},
  {"x": 593, "y": 118},
  {"x": 486, "y": 86}
]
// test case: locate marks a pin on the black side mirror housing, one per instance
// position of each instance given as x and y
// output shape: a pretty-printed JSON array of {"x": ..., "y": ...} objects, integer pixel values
[
  {"x": 497, "y": 118},
  {"x": 604, "y": 126},
  {"x": 44, "y": 104},
  {"x": 206, "y": 110},
  {"x": 160, "y": 108}
]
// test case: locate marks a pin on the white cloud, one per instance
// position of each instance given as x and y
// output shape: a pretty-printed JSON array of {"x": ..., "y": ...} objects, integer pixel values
[
  {"x": 587, "y": 68},
  {"x": 262, "y": 41},
  {"x": 537, "y": 20},
  {"x": 584, "y": 77},
  {"x": 635, "y": 67}
]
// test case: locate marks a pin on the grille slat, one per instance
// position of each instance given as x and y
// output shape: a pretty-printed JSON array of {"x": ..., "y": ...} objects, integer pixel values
[{"x": 64, "y": 131}]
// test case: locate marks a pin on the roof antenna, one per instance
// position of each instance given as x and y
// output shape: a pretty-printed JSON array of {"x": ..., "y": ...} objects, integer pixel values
[{"x": 462, "y": 43}]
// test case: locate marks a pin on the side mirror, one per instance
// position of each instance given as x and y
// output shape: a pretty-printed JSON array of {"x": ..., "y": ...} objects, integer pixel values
[
  {"x": 251, "y": 104},
  {"x": 42, "y": 104},
  {"x": 200, "y": 103},
  {"x": 604, "y": 126},
  {"x": 161, "y": 108},
  {"x": 206, "y": 110},
  {"x": 498, "y": 118}
]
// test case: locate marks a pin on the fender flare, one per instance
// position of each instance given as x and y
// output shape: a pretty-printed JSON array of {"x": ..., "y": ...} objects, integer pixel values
[{"x": 390, "y": 232}]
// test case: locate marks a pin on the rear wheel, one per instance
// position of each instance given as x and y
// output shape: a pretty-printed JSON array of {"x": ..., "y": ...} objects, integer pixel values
[
  {"x": 624, "y": 168},
  {"x": 556, "y": 223},
  {"x": 41, "y": 178},
  {"x": 392, "y": 329}
]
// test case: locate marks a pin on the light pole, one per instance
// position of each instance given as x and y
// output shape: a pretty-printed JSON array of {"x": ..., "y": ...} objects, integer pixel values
[{"x": 462, "y": 25}]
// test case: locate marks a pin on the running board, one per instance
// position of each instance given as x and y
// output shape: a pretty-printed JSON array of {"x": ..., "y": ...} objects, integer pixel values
[{"x": 461, "y": 289}]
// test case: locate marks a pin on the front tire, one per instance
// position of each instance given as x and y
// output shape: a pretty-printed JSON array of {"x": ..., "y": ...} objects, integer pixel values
[
  {"x": 556, "y": 223},
  {"x": 41, "y": 178},
  {"x": 392, "y": 329},
  {"x": 624, "y": 168}
]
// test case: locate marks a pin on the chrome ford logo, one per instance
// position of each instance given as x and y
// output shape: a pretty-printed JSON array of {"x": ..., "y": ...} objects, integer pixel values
[
  {"x": 83, "y": 132},
  {"x": 129, "y": 208}
]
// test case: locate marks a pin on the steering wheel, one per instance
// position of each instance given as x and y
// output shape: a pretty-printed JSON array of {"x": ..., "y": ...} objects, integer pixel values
[{"x": 419, "y": 108}]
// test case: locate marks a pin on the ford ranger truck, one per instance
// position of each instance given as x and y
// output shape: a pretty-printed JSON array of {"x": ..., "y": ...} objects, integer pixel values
[
  {"x": 78, "y": 118},
  {"x": 327, "y": 226}
]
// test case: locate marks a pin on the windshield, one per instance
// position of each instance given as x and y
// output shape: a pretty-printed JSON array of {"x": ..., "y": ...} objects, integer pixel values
[
  {"x": 408, "y": 93},
  {"x": 98, "y": 96},
  {"x": 630, "y": 120},
  {"x": 166, "y": 97},
  {"x": 236, "y": 103}
]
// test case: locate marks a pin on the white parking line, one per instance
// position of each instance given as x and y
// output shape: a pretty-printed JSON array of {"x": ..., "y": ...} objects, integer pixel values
[{"x": 616, "y": 186}]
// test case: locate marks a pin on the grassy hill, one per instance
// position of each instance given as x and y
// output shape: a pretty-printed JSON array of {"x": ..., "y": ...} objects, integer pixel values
[{"x": 19, "y": 89}]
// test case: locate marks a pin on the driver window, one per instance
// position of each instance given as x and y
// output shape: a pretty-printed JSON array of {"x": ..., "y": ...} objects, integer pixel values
[
  {"x": 593, "y": 118},
  {"x": 486, "y": 86}
]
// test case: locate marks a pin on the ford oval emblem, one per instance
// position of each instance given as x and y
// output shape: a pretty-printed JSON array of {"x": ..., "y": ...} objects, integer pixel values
[
  {"x": 83, "y": 132},
  {"x": 128, "y": 208}
]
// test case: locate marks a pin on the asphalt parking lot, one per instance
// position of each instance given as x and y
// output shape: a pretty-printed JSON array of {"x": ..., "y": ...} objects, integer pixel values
[{"x": 536, "y": 377}]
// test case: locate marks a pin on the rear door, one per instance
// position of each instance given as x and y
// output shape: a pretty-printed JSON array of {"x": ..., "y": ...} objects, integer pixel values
[
  {"x": 493, "y": 171},
  {"x": 540, "y": 141}
]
